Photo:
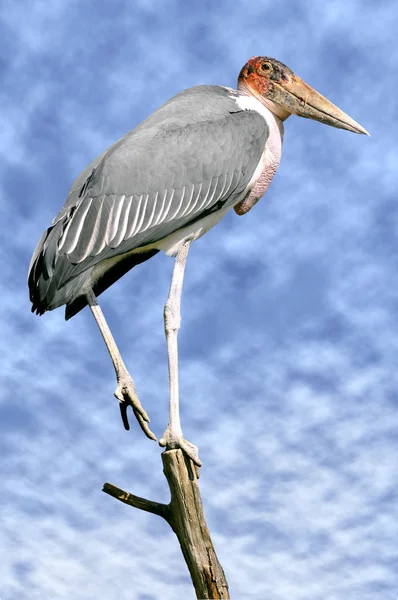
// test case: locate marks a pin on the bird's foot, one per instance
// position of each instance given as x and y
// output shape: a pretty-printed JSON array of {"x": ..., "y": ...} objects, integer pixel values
[
  {"x": 172, "y": 442},
  {"x": 127, "y": 396}
]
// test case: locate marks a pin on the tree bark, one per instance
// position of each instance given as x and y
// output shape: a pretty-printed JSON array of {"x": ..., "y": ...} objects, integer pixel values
[{"x": 185, "y": 516}]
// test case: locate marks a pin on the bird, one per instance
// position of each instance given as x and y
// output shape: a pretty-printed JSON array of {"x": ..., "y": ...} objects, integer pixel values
[{"x": 206, "y": 151}]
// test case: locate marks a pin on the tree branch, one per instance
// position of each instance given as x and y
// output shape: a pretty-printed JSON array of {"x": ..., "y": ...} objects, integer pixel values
[
  {"x": 189, "y": 524},
  {"x": 153, "y": 507},
  {"x": 185, "y": 516}
]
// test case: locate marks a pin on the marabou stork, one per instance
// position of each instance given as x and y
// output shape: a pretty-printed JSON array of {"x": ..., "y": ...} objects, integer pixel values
[{"x": 162, "y": 186}]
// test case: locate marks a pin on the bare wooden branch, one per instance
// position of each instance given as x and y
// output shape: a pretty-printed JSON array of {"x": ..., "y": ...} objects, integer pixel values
[
  {"x": 188, "y": 523},
  {"x": 185, "y": 516},
  {"x": 153, "y": 507}
]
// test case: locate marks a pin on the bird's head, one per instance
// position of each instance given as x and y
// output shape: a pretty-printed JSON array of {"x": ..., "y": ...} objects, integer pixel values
[{"x": 284, "y": 93}]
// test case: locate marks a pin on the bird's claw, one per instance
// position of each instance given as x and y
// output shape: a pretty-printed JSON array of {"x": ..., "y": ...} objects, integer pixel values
[
  {"x": 127, "y": 396},
  {"x": 172, "y": 443}
]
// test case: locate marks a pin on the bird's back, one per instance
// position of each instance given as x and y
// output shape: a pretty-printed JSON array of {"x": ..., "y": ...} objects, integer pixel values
[{"x": 194, "y": 155}]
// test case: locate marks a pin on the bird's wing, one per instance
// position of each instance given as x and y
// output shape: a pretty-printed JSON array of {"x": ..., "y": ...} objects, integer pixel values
[{"x": 194, "y": 155}]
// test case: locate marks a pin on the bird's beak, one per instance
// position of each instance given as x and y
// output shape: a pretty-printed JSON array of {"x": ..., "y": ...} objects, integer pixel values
[{"x": 300, "y": 99}]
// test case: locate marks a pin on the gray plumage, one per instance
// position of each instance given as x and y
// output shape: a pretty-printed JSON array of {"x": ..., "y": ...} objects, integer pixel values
[{"x": 195, "y": 155}]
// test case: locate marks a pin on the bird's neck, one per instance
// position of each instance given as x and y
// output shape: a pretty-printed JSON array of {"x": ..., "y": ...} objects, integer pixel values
[
  {"x": 276, "y": 110},
  {"x": 271, "y": 155}
]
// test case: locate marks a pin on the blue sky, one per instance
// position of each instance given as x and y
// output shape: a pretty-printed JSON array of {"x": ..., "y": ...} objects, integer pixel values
[{"x": 288, "y": 347}]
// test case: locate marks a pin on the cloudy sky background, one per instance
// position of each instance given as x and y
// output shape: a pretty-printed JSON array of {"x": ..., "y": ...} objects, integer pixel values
[{"x": 288, "y": 350}]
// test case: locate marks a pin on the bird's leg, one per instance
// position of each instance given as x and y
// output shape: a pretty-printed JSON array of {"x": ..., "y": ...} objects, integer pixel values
[
  {"x": 172, "y": 437},
  {"x": 125, "y": 391}
]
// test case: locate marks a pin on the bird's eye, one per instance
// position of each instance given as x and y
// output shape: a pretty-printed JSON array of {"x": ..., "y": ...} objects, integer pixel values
[{"x": 265, "y": 67}]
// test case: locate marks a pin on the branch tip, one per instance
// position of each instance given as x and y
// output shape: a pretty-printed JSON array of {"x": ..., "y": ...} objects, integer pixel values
[{"x": 155, "y": 508}]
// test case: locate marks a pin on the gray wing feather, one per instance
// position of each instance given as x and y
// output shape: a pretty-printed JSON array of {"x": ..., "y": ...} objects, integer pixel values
[{"x": 195, "y": 152}]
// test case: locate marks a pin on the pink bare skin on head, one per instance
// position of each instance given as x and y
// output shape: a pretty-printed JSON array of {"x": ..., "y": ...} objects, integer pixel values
[{"x": 281, "y": 93}]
